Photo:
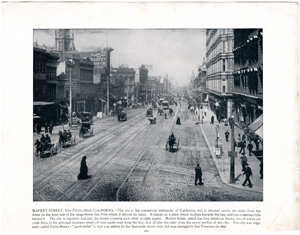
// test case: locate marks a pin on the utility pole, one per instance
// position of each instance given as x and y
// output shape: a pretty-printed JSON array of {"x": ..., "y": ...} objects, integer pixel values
[
  {"x": 70, "y": 116},
  {"x": 107, "y": 89},
  {"x": 146, "y": 91},
  {"x": 232, "y": 154}
]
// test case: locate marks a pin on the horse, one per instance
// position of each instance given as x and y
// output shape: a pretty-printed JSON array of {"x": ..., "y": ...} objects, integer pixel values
[
  {"x": 62, "y": 138},
  {"x": 39, "y": 148}
]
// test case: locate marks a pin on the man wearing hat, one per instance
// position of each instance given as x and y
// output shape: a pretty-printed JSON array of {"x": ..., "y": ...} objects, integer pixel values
[
  {"x": 198, "y": 174},
  {"x": 248, "y": 173}
]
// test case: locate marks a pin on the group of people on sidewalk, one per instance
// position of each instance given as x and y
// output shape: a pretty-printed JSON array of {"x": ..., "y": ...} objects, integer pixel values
[{"x": 242, "y": 144}]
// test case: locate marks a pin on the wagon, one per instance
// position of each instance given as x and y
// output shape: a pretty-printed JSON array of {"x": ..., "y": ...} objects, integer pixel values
[
  {"x": 44, "y": 151},
  {"x": 85, "y": 129},
  {"x": 171, "y": 112},
  {"x": 66, "y": 138},
  {"x": 149, "y": 113},
  {"x": 152, "y": 120},
  {"x": 172, "y": 145},
  {"x": 122, "y": 116},
  {"x": 160, "y": 111}
]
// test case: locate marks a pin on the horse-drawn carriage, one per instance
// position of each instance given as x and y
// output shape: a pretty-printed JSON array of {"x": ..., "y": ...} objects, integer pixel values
[
  {"x": 172, "y": 145},
  {"x": 171, "y": 112},
  {"x": 85, "y": 129},
  {"x": 160, "y": 111},
  {"x": 45, "y": 149},
  {"x": 122, "y": 116},
  {"x": 152, "y": 120},
  {"x": 149, "y": 113},
  {"x": 65, "y": 138}
]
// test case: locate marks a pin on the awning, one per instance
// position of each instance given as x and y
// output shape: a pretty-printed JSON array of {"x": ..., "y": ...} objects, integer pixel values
[
  {"x": 259, "y": 132},
  {"x": 41, "y": 103},
  {"x": 256, "y": 124}
]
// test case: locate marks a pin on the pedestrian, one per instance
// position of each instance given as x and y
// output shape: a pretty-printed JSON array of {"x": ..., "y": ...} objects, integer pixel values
[
  {"x": 212, "y": 119},
  {"x": 198, "y": 175},
  {"x": 261, "y": 170},
  {"x": 226, "y": 135},
  {"x": 248, "y": 173},
  {"x": 244, "y": 137},
  {"x": 243, "y": 146},
  {"x": 51, "y": 127},
  {"x": 243, "y": 162},
  {"x": 83, "y": 170},
  {"x": 250, "y": 147},
  {"x": 239, "y": 138},
  {"x": 178, "y": 121},
  {"x": 205, "y": 114},
  {"x": 165, "y": 115}
]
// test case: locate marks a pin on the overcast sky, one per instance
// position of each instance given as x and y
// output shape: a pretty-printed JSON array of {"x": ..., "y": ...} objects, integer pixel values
[{"x": 176, "y": 52}]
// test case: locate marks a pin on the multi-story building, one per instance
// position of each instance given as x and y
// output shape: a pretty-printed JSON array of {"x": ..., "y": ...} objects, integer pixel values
[
  {"x": 123, "y": 83},
  {"x": 201, "y": 82},
  {"x": 44, "y": 74},
  {"x": 153, "y": 87},
  {"x": 219, "y": 68},
  {"x": 75, "y": 76},
  {"x": 248, "y": 75},
  {"x": 143, "y": 93}
]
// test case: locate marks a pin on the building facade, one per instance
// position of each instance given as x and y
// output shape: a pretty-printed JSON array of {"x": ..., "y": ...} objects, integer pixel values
[
  {"x": 201, "y": 82},
  {"x": 219, "y": 68},
  {"x": 75, "y": 79},
  {"x": 248, "y": 75},
  {"x": 44, "y": 74},
  {"x": 123, "y": 83},
  {"x": 143, "y": 81}
]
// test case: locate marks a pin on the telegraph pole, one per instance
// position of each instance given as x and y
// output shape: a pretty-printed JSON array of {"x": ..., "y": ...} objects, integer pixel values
[
  {"x": 70, "y": 116},
  {"x": 232, "y": 154}
]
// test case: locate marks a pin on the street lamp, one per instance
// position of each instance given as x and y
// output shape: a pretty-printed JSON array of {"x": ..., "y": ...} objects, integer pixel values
[{"x": 232, "y": 154}]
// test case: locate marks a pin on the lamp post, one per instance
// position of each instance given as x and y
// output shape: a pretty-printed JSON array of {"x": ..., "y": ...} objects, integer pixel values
[{"x": 232, "y": 154}]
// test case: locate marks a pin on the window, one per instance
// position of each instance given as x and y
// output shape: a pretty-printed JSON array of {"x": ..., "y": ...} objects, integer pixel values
[
  {"x": 224, "y": 89},
  {"x": 223, "y": 65},
  {"x": 67, "y": 94}
]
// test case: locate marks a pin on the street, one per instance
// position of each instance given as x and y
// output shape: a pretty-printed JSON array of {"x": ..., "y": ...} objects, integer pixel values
[{"x": 128, "y": 161}]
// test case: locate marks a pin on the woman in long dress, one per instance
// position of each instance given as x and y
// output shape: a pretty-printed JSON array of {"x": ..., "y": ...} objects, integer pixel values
[{"x": 83, "y": 170}]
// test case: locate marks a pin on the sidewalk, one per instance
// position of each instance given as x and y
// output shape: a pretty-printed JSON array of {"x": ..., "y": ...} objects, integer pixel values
[{"x": 223, "y": 162}]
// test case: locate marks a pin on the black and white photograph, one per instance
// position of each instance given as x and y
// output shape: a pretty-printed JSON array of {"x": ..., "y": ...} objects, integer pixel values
[
  {"x": 148, "y": 114},
  {"x": 149, "y": 117}
]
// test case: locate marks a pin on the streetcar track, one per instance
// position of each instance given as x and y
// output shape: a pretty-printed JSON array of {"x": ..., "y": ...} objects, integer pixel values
[
  {"x": 90, "y": 148},
  {"x": 162, "y": 130},
  {"x": 105, "y": 174},
  {"x": 115, "y": 129},
  {"x": 106, "y": 162}
]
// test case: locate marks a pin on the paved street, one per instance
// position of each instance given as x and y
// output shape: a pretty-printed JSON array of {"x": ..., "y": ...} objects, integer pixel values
[{"x": 129, "y": 162}]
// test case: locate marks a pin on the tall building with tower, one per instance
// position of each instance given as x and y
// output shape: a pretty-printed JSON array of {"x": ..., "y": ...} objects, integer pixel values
[{"x": 64, "y": 40}]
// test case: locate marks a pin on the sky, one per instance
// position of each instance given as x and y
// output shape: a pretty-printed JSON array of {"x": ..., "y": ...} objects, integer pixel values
[{"x": 176, "y": 52}]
